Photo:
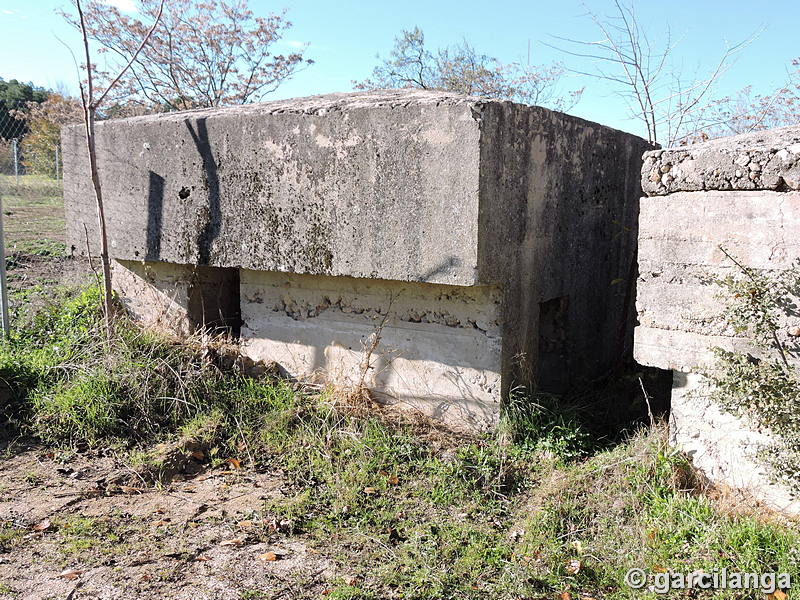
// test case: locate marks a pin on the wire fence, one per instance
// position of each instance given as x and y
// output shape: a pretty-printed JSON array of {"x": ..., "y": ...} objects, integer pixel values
[{"x": 25, "y": 152}]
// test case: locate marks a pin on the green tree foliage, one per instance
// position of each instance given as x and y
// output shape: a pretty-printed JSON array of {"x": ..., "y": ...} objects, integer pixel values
[
  {"x": 15, "y": 96},
  {"x": 463, "y": 70},
  {"x": 201, "y": 54}
]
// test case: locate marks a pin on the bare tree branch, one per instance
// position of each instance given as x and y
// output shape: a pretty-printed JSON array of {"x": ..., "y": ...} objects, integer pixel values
[{"x": 655, "y": 92}]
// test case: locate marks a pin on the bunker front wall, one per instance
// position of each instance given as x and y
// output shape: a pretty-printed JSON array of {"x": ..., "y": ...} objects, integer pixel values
[
  {"x": 733, "y": 199},
  {"x": 499, "y": 233}
]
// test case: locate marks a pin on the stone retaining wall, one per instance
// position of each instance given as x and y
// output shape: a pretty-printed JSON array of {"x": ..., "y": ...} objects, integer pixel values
[{"x": 738, "y": 194}]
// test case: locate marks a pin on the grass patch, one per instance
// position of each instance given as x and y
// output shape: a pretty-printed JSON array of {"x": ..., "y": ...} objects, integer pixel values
[
  {"x": 9, "y": 535},
  {"x": 539, "y": 509},
  {"x": 33, "y": 217}
]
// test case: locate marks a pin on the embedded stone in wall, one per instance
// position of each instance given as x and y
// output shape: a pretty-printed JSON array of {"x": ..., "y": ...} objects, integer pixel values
[{"x": 762, "y": 160}]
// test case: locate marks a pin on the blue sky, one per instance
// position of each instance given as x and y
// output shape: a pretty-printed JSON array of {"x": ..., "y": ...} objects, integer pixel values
[{"x": 344, "y": 37}]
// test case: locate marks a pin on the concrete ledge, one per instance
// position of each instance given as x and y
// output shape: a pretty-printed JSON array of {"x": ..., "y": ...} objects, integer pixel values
[
  {"x": 763, "y": 160},
  {"x": 358, "y": 185}
]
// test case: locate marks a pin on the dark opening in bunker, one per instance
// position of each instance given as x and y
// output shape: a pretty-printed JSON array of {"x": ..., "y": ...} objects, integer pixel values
[
  {"x": 553, "y": 369},
  {"x": 214, "y": 304}
]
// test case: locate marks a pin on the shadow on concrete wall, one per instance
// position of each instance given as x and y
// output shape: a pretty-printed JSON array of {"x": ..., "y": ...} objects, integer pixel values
[
  {"x": 210, "y": 230},
  {"x": 155, "y": 214},
  {"x": 444, "y": 267}
]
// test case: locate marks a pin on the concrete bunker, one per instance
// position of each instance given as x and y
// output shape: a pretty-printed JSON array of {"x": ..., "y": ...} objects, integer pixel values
[
  {"x": 489, "y": 244},
  {"x": 739, "y": 194}
]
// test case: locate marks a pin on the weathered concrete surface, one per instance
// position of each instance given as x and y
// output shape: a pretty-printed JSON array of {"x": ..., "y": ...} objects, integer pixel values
[
  {"x": 158, "y": 297},
  {"x": 723, "y": 447},
  {"x": 404, "y": 186},
  {"x": 679, "y": 303},
  {"x": 762, "y": 160},
  {"x": 374, "y": 186},
  {"x": 438, "y": 347}
]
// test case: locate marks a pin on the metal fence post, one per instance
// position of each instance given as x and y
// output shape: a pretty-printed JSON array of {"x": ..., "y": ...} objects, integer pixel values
[{"x": 3, "y": 288}]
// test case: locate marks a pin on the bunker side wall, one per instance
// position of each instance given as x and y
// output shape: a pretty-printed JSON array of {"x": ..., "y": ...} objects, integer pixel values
[
  {"x": 558, "y": 224},
  {"x": 711, "y": 206},
  {"x": 681, "y": 241}
]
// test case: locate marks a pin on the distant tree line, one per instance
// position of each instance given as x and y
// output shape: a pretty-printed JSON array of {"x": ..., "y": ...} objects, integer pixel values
[{"x": 15, "y": 96}]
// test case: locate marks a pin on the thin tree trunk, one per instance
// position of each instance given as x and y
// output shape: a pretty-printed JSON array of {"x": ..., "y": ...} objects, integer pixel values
[
  {"x": 101, "y": 218},
  {"x": 89, "y": 112}
]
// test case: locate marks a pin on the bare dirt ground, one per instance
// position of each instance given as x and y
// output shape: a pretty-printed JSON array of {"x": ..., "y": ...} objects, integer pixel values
[
  {"x": 68, "y": 530},
  {"x": 79, "y": 526}
]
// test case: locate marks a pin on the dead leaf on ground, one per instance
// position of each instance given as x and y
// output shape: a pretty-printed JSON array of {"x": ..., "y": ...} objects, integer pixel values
[
  {"x": 202, "y": 558},
  {"x": 268, "y": 557},
  {"x": 41, "y": 525},
  {"x": 565, "y": 595},
  {"x": 245, "y": 524},
  {"x": 273, "y": 555},
  {"x": 197, "y": 455},
  {"x": 71, "y": 574},
  {"x": 161, "y": 523},
  {"x": 777, "y": 595},
  {"x": 351, "y": 581},
  {"x": 231, "y": 542},
  {"x": 235, "y": 463},
  {"x": 573, "y": 567},
  {"x": 393, "y": 480},
  {"x": 370, "y": 491}
]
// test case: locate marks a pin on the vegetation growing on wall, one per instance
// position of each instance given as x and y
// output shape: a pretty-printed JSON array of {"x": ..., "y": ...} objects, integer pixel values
[{"x": 764, "y": 388}]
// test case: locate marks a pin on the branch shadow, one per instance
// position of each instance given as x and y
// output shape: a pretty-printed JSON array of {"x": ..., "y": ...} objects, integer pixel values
[{"x": 211, "y": 229}]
